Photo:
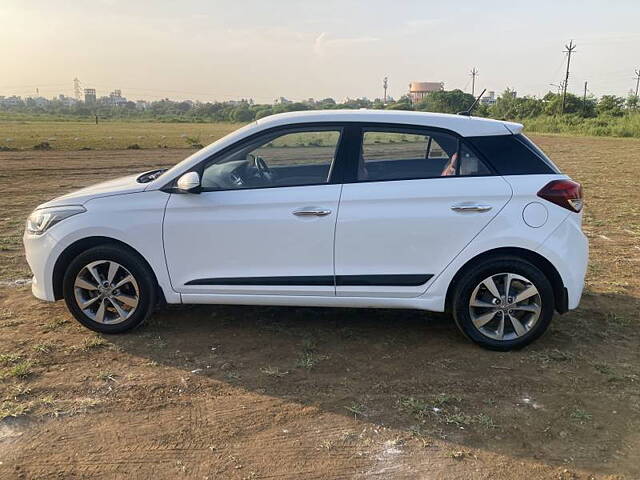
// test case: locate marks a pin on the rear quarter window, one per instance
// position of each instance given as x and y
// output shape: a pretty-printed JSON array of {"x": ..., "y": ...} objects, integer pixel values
[{"x": 513, "y": 155}]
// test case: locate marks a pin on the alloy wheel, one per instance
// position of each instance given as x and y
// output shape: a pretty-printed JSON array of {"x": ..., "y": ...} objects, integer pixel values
[
  {"x": 106, "y": 292},
  {"x": 505, "y": 306}
]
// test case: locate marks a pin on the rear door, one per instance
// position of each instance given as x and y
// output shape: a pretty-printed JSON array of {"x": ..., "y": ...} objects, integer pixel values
[{"x": 415, "y": 199}]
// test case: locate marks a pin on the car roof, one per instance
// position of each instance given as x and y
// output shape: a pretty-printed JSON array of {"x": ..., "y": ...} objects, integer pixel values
[{"x": 461, "y": 124}]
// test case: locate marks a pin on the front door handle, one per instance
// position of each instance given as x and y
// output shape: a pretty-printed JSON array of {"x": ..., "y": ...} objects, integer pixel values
[
  {"x": 312, "y": 212},
  {"x": 471, "y": 207}
]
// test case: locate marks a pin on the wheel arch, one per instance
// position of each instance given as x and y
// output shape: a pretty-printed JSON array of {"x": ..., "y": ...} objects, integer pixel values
[
  {"x": 549, "y": 270},
  {"x": 79, "y": 246}
]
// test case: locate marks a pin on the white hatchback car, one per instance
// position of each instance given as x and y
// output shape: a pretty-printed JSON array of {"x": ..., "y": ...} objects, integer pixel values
[{"x": 375, "y": 209}]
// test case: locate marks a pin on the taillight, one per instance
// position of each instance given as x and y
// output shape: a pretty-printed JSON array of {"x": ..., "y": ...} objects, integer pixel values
[{"x": 566, "y": 193}]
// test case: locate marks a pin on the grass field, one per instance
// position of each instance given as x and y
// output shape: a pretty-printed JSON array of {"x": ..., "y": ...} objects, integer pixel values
[
  {"x": 114, "y": 135},
  {"x": 253, "y": 392},
  {"x": 109, "y": 135}
]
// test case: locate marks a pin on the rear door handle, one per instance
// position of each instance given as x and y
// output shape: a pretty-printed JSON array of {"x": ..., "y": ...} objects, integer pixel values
[
  {"x": 471, "y": 207},
  {"x": 312, "y": 212}
]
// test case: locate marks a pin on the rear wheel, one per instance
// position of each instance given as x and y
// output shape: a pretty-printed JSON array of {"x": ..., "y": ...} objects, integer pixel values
[
  {"x": 109, "y": 289},
  {"x": 504, "y": 303}
]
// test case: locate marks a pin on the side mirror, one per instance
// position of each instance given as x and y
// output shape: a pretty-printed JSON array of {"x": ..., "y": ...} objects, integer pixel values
[{"x": 189, "y": 183}]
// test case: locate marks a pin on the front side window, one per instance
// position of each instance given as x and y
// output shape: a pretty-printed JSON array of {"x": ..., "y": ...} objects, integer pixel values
[
  {"x": 277, "y": 160},
  {"x": 402, "y": 155}
]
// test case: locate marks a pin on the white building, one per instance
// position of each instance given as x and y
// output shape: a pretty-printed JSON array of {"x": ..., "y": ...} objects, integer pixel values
[
  {"x": 489, "y": 98},
  {"x": 115, "y": 98},
  {"x": 11, "y": 101}
]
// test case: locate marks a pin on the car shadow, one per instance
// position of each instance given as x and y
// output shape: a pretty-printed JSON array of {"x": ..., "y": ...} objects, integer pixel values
[{"x": 414, "y": 372}]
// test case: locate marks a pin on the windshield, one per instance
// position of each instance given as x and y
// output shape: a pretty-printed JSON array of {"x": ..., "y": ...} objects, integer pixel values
[{"x": 227, "y": 139}]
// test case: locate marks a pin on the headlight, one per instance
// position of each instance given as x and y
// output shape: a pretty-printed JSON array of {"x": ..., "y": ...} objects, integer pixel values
[{"x": 41, "y": 220}]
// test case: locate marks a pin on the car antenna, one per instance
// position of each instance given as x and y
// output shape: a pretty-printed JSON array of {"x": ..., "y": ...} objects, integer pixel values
[{"x": 473, "y": 105}]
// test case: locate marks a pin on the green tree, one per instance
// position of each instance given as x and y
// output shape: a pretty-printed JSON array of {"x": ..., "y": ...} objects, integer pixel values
[
  {"x": 553, "y": 104},
  {"x": 263, "y": 112},
  {"x": 403, "y": 103},
  {"x": 452, "y": 101},
  {"x": 611, "y": 105},
  {"x": 510, "y": 106},
  {"x": 326, "y": 103},
  {"x": 633, "y": 102},
  {"x": 242, "y": 114}
]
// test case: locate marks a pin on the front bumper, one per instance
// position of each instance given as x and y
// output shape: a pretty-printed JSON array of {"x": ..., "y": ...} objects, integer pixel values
[{"x": 41, "y": 254}]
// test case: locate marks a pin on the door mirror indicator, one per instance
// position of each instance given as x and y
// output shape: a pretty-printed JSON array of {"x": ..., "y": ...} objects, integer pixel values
[{"x": 189, "y": 183}]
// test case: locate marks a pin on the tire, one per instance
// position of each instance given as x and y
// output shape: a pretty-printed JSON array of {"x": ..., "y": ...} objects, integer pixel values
[
  {"x": 525, "y": 316},
  {"x": 132, "y": 282}
]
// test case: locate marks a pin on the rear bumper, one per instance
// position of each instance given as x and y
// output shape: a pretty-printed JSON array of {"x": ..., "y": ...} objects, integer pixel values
[{"x": 567, "y": 248}]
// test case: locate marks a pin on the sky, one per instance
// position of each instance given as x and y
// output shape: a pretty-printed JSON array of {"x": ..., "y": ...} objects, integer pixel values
[{"x": 220, "y": 50}]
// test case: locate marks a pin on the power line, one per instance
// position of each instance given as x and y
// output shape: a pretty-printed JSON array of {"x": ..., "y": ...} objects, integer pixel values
[
  {"x": 557, "y": 70},
  {"x": 559, "y": 87},
  {"x": 569, "y": 50}
]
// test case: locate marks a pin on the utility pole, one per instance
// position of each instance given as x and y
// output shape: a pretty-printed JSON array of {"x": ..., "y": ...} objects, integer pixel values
[
  {"x": 637, "y": 72},
  {"x": 473, "y": 74},
  {"x": 584, "y": 100},
  {"x": 569, "y": 50},
  {"x": 385, "y": 84}
]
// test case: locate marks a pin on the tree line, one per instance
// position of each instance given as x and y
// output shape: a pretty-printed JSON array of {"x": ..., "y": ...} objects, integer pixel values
[{"x": 507, "y": 106}]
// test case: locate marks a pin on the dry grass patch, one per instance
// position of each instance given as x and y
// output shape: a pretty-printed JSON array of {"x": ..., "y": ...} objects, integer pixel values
[{"x": 19, "y": 370}]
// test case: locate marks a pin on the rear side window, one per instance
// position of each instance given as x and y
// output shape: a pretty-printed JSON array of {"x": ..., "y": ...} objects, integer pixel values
[
  {"x": 400, "y": 154},
  {"x": 524, "y": 139},
  {"x": 512, "y": 155}
]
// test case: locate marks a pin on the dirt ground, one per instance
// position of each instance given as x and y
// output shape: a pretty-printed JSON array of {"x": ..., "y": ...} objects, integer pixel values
[{"x": 264, "y": 392}]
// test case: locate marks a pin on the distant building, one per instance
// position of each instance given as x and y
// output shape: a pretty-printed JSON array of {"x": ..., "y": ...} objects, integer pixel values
[
  {"x": 67, "y": 101},
  {"x": 419, "y": 90},
  {"x": 12, "y": 101},
  {"x": 281, "y": 101},
  {"x": 115, "y": 98},
  {"x": 89, "y": 96},
  {"x": 489, "y": 98}
]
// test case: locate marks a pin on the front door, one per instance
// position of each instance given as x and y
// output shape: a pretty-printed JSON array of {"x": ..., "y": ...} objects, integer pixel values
[
  {"x": 418, "y": 199},
  {"x": 264, "y": 222}
]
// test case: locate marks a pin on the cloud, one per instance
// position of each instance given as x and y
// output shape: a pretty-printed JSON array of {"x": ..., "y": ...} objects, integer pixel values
[
  {"x": 417, "y": 25},
  {"x": 326, "y": 44},
  {"x": 608, "y": 37}
]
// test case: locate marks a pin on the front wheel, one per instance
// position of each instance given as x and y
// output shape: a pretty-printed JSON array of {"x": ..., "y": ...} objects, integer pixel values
[
  {"x": 504, "y": 303},
  {"x": 109, "y": 289}
]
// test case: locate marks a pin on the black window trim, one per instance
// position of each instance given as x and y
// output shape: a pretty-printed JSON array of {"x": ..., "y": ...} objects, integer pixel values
[
  {"x": 351, "y": 175},
  {"x": 335, "y": 170},
  {"x": 344, "y": 169}
]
